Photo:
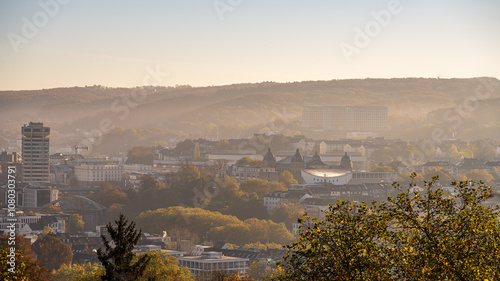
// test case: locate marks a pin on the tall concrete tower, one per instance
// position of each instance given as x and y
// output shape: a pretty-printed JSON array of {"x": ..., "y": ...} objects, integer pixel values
[{"x": 35, "y": 153}]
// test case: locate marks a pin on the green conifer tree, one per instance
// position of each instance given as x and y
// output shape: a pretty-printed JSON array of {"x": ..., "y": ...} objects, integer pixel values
[{"x": 117, "y": 257}]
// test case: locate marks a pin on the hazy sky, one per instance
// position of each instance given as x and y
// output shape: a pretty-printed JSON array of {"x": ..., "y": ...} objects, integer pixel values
[{"x": 112, "y": 43}]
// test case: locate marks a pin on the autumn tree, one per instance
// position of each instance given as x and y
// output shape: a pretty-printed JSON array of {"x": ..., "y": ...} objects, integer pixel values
[
  {"x": 439, "y": 237},
  {"x": 261, "y": 187},
  {"x": 444, "y": 175},
  {"x": 215, "y": 226},
  {"x": 220, "y": 275},
  {"x": 163, "y": 267},
  {"x": 152, "y": 194},
  {"x": 383, "y": 169},
  {"x": 52, "y": 252},
  {"x": 344, "y": 246},
  {"x": 262, "y": 271},
  {"x": 265, "y": 247},
  {"x": 108, "y": 194},
  {"x": 114, "y": 211},
  {"x": 47, "y": 230},
  {"x": 140, "y": 155},
  {"x": 79, "y": 272},
  {"x": 287, "y": 178},
  {"x": 478, "y": 175},
  {"x": 185, "y": 147},
  {"x": 182, "y": 233},
  {"x": 51, "y": 209},
  {"x": 27, "y": 267},
  {"x": 414, "y": 236},
  {"x": 247, "y": 161},
  {"x": 236, "y": 277},
  {"x": 76, "y": 223},
  {"x": 117, "y": 257},
  {"x": 287, "y": 214}
]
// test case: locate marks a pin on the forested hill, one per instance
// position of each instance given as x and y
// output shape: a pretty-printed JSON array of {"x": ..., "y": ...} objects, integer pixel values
[{"x": 226, "y": 110}]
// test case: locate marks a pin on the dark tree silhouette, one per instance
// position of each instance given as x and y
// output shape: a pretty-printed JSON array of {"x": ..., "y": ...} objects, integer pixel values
[
  {"x": 117, "y": 257},
  {"x": 52, "y": 252}
]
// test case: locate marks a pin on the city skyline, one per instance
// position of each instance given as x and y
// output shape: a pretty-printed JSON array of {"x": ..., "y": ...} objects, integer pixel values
[{"x": 50, "y": 44}]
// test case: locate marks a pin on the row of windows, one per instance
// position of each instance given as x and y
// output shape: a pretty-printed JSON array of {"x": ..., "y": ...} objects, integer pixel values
[
  {"x": 374, "y": 175},
  {"x": 210, "y": 266}
]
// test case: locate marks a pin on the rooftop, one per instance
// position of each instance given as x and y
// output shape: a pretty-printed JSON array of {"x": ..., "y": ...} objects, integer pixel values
[{"x": 329, "y": 173}]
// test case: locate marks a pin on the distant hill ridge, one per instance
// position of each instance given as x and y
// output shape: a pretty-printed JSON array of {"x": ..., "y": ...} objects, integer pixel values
[{"x": 192, "y": 108}]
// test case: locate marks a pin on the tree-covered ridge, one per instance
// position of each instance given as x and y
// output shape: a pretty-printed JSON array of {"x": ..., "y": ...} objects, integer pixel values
[{"x": 232, "y": 110}]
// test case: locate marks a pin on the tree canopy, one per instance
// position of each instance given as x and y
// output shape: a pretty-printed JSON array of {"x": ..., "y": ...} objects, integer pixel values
[
  {"x": 27, "y": 267},
  {"x": 215, "y": 226},
  {"x": 117, "y": 257},
  {"x": 287, "y": 178},
  {"x": 52, "y": 252},
  {"x": 140, "y": 155},
  {"x": 79, "y": 272},
  {"x": 247, "y": 161},
  {"x": 414, "y": 236}
]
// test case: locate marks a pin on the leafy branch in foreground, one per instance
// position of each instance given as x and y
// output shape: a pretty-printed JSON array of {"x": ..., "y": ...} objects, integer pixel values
[{"x": 426, "y": 235}]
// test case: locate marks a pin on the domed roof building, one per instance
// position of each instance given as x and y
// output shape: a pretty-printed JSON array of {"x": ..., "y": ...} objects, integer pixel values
[
  {"x": 297, "y": 157},
  {"x": 346, "y": 163},
  {"x": 269, "y": 157}
]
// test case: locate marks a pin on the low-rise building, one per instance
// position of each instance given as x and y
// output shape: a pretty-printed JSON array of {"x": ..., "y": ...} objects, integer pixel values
[
  {"x": 373, "y": 177},
  {"x": 34, "y": 224},
  {"x": 205, "y": 265},
  {"x": 447, "y": 165},
  {"x": 98, "y": 172},
  {"x": 278, "y": 198},
  {"x": 29, "y": 196},
  {"x": 244, "y": 173}
]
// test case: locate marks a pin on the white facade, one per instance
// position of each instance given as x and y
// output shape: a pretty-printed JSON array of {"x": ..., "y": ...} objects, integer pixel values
[
  {"x": 244, "y": 173},
  {"x": 203, "y": 266},
  {"x": 373, "y": 177},
  {"x": 333, "y": 176},
  {"x": 22, "y": 224},
  {"x": 278, "y": 198},
  {"x": 98, "y": 173},
  {"x": 137, "y": 168}
]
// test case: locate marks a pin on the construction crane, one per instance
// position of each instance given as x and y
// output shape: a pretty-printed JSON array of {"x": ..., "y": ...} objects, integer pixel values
[{"x": 76, "y": 147}]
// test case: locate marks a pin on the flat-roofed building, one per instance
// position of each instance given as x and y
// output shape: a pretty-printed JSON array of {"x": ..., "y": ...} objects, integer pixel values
[
  {"x": 351, "y": 120},
  {"x": 98, "y": 173},
  {"x": 35, "y": 153},
  {"x": 205, "y": 265}
]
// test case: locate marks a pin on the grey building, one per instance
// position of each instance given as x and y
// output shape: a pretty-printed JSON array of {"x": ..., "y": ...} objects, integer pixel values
[{"x": 35, "y": 152}]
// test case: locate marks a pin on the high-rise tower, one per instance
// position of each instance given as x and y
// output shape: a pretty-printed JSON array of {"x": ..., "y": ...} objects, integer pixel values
[{"x": 35, "y": 153}]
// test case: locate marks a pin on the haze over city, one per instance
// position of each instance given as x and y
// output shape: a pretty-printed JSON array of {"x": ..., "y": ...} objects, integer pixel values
[{"x": 227, "y": 140}]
